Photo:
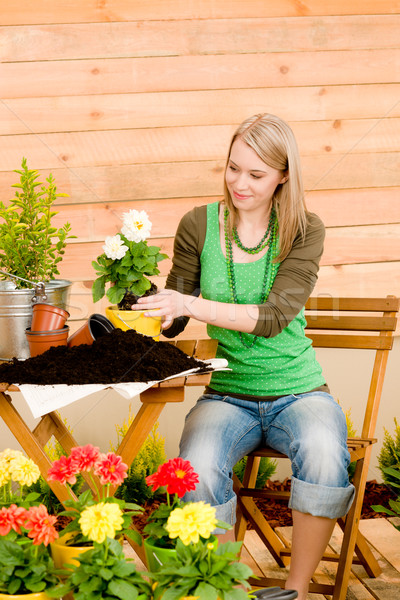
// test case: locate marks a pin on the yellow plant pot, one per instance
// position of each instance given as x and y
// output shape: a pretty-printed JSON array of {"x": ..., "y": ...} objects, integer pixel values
[
  {"x": 63, "y": 554},
  {"x": 33, "y": 596},
  {"x": 135, "y": 319}
]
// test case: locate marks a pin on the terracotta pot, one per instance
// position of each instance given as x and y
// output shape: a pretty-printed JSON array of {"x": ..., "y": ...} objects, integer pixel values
[
  {"x": 63, "y": 554},
  {"x": 135, "y": 319},
  {"x": 33, "y": 596},
  {"x": 40, "y": 341},
  {"x": 47, "y": 317},
  {"x": 96, "y": 326}
]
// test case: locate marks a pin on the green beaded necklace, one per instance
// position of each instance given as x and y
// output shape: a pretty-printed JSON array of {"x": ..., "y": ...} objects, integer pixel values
[
  {"x": 263, "y": 243},
  {"x": 270, "y": 238}
]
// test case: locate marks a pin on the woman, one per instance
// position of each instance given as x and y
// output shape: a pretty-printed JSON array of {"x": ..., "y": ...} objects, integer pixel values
[{"x": 254, "y": 258}]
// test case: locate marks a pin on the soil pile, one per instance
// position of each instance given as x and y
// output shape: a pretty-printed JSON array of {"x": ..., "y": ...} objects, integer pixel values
[{"x": 119, "y": 356}]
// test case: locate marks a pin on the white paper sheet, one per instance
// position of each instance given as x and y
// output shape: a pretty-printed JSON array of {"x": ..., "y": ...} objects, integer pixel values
[{"x": 43, "y": 399}]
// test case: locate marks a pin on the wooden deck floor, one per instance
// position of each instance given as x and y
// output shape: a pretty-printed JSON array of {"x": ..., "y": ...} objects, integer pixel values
[{"x": 381, "y": 535}]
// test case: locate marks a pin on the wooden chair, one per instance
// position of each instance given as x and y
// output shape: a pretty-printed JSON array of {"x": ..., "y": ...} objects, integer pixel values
[{"x": 359, "y": 323}]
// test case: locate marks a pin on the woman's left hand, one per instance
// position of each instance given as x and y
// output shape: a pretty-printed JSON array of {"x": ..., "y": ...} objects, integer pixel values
[{"x": 171, "y": 304}]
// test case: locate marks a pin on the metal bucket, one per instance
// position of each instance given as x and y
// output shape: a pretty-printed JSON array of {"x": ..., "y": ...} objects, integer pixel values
[{"x": 16, "y": 314}]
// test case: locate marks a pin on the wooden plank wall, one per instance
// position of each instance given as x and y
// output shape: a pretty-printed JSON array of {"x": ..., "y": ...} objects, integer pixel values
[{"x": 131, "y": 104}]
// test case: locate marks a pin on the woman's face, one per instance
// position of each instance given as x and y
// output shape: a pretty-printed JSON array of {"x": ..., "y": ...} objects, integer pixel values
[{"x": 250, "y": 182}]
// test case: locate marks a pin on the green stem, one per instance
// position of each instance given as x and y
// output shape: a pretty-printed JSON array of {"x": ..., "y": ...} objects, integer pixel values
[{"x": 95, "y": 486}]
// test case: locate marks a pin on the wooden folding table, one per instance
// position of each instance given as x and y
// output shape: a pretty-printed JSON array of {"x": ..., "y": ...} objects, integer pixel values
[{"x": 153, "y": 401}]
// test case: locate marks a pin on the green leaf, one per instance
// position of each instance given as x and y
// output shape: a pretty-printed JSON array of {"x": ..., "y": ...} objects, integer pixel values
[
  {"x": 122, "y": 589},
  {"x": 392, "y": 471},
  {"x": 10, "y": 553},
  {"x": 206, "y": 592},
  {"x": 134, "y": 535},
  {"x": 14, "y": 586},
  {"x": 115, "y": 294},
  {"x": 98, "y": 289}
]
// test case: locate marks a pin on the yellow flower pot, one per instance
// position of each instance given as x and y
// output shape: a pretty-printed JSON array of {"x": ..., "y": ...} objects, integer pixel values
[
  {"x": 135, "y": 319},
  {"x": 33, "y": 596},
  {"x": 63, "y": 554}
]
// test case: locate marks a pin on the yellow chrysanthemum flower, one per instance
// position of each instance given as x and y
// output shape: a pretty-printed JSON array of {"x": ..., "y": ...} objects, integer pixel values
[
  {"x": 24, "y": 470},
  {"x": 100, "y": 521},
  {"x": 5, "y": 475},
  {"x": 9, "y": 454},
  {"x": 192, "y": 521}
]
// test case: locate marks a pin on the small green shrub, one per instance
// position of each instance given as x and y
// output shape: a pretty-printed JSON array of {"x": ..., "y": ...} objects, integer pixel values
[
  {"x": 389, "y": 459},
  {"x": 351, "y": 432},
  {"x": 266, "y": 470},
  {"x": 149, "y": 458}
]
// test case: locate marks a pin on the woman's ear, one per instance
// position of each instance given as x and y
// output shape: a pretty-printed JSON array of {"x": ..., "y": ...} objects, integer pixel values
[{"x": 284, "y": 178}]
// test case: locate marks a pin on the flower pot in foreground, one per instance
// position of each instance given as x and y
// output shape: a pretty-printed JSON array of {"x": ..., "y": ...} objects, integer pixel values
[
  {"x": 40, "y": 341},
  {"x": 47, "y": 317},
  {"x": 155, "y": 557},
  {"x": 135, "y": 319},
  {"x": 66, "y": 555},
  {"x": 96, "y": 326}
]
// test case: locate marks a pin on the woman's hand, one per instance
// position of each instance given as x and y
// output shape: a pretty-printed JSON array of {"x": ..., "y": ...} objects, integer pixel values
[{"x": 170, "y": 304}]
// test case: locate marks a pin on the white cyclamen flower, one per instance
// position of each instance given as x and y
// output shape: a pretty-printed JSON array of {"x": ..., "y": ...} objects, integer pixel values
[
  {"x": 137, "y": 225},
  {"x": 114, "y": 247}
]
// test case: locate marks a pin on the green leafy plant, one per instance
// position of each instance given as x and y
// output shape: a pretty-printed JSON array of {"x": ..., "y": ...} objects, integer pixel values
[
  {"x": 104, "y": 572},
  {"x": 202, "y": 571},
  {"x": 127, "y": 260},
  {"x": 151, "y": 455},
  {"x": 26, "y": 565},
  {"x": 389, "y": 458},
  {"x": 394, "y": 510},
  {"x": 266, "y": 469},
  {"x": 29, "y": 246}
]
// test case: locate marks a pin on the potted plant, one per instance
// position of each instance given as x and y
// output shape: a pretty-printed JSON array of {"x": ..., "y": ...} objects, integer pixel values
[
  {"x": 91, "y": 519},
  {"x": 199, "y": 567},
  {"x": 177, "y": 477},
  {"x": 30, "y": 251},
  {"x": 104, "y": 572},
  {"x": 127, "y": 262},
  {"x": 26, "y": 567}
]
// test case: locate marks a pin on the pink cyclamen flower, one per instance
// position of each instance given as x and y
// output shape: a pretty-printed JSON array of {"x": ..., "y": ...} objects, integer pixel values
[
  {"x": 177, "y": 475},
  {"x": 85, "y": 457},
  {"x": 111, "y": 469},
  {"x": 41, "y": 525},
  {"x": 12, "y": 517},
  {"x": 63, "y": 470}
]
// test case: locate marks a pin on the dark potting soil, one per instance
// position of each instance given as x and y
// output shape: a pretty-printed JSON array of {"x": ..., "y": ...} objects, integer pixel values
[{"x": 119, "y": 356}]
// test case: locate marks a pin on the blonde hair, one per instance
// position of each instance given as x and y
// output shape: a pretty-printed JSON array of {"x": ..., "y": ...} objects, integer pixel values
[{"x": 273, "y": 141}]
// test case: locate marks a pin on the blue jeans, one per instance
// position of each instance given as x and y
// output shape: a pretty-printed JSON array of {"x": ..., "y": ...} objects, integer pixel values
[{"x": 309, "y": 428}]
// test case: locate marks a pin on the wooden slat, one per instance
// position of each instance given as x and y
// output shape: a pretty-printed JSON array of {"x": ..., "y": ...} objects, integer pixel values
[
  {"x": 75, "y": 11},
  {"x": 93, "y": 222},
  {"x": 202, "y": 107},
  {"x": 188, "y": 179},
  {"x": 326, "y": 303},
  {"x": 197, "y": 72},
  {"x": 170, "y": 144},
  {"x": 351, "y": 322},
  {"x": 350, "y": 341},
  {"x": 176, "y": 38}
]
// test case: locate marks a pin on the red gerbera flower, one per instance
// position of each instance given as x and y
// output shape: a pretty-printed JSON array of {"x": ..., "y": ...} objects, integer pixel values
[
  {"x": 177, "y": 475},
  {"x": 12, "y": 517},
  {"x": 111, "y": 469},
  {"x": 41, "y": 525},
  {"x": 85, "y": 457},
  {"x": 63, "y": 470}
]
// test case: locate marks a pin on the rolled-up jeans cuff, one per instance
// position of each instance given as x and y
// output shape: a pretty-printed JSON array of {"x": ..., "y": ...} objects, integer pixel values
[
  {"x": 227, "y": 513},
  {"x": 321, "y": 500}
]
